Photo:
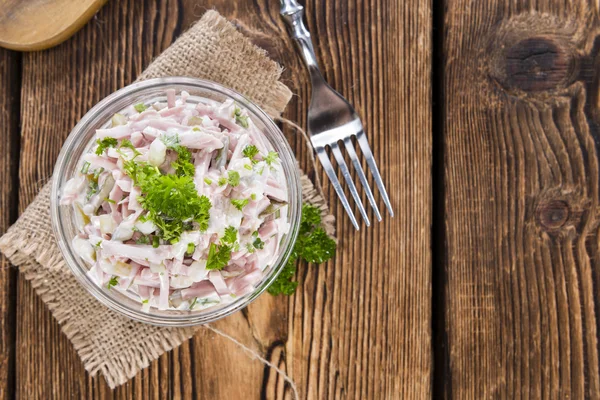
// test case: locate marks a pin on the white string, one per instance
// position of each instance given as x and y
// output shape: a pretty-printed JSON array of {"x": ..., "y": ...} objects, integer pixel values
[{"x": 254, "y": 354}]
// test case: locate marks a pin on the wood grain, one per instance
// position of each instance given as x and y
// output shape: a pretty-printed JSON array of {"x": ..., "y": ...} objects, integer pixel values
[
  {"x": 30, "y": 25},
  {"x": 359, "y": 326},
  {"x": 521, "y": 178},
  {"x": 9, "y": 142}
]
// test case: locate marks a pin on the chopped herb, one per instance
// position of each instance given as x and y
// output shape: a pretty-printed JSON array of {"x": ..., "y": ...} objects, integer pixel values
[
  {"x": 99, "y": 243},
  {"x": 191, "y": 247},
  {"x": 105, "y": 144},
  {"x": 155, "y": 241},
  {"x": 313, "y": 245},
  {"x": 230, "y": 235},
  {"x": 258, "y": 244},
  {"x": 193, "y": 303},
  {"x": 250, "y": 248},
  {"x": 145, "y": 301},
  {"x": 110, "y": 201},
  {"x": 92, "y": 188},
  {"x": 248, "y": 167},
  {"x": 127, "y": 144},
  {"x": 114, "y": 281},
  {"x": 284, "y": 284},
  {"x": 196, "y": 129},
  {"x": 172, "y": 201},
  {"x": 222, "y": 181},
  {"x": 97, "y": 173},
  {"x": 234, "y": 178},
  {"x": 85, "y": 168},
  {"x": 218, "y": 257},
  {"x": 253, "y": 196},
  {"x": 208, "y": 181},
  {"x": 143, "y": 240},
  {"x": 183, "y": 165},
  {"x": 250, "y": 151},
  {"x": 240, "y": 119},
  {"x": 239, "y": 203},
  {"x": 140, "y": 107},
  {"x": 271, "y": 157}
]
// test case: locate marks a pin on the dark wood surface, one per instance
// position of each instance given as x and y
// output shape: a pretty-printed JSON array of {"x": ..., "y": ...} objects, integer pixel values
[
  {"x": 359, "y": 326},
  {"x": 521, "y": 171}
]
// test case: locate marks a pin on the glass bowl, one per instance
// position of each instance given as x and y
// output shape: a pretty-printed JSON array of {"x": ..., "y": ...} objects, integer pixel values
[{"x": 81, "y": 140}]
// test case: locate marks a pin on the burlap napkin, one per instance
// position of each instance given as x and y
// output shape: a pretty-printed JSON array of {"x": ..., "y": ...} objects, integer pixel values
[{"x": 107, "y": 342}]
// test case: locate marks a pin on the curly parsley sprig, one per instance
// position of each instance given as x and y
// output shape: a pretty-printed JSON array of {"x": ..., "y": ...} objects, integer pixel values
[{"x": 313, "y": 245}]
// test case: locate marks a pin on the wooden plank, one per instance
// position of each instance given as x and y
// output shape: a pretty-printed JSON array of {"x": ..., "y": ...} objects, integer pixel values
[
  {"x": 360, "y": 325},
  {"x": 521, "y": 177},
  {"x": 9, "y": 137}
]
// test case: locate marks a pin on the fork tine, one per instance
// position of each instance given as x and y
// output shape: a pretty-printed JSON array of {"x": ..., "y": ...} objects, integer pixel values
[
  {"x": 364, "y": 145},
  {"x": 361, "y": 176},
  {"x": 336, "y": 184},
  {"x": 342, "y": 164}
]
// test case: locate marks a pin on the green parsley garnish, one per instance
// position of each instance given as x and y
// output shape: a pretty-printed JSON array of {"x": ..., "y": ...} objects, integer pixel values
[
  {"x": 250, "y": 151},
  {"x": 145, "y": 301},
  {"x": 248, "y": 167},
  {"x": 258, "y": 244},
  {"x": 85, "y": 168},
  {"x": 171, "y": 200},
  {"x": 113, "y": 282},
  {"x": 208, "y": 181},
  {"x": 239, "y": 203},
  {"x": 239, "y": 119},
  {"x": 105, "y": 144},
  {"x": 183, "y": 165},
  {"x": 143, "y": 240},
  {"x": 271, "y": 157},
  {"x": 230, "y": 235},
  {"x": 218, "y": 257},
  {"x": 313, "y": 246},
  {"x": 110, "y": 201},
  {"x": 284, "y": 284},
  {"x": 140, "y": 107},
  {"x": 253, "y": 196},
  {"x": 234, "y": 178},
  {"x": 155, "y": 242},
  {"x": 128, "y": 145},
  {"x": 191, "y": 247},
  {"x": 222, "y": 181}
]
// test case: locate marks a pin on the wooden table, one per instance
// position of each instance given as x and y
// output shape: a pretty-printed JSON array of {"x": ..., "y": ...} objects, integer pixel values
[{"x": 484, "y": 118}]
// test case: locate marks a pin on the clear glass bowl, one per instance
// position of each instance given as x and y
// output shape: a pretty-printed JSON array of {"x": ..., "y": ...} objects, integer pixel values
[{"x": 81, "y": 140}]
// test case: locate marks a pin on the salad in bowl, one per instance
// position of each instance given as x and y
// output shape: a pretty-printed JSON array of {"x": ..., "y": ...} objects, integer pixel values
[{"x": 176, "y": 201}]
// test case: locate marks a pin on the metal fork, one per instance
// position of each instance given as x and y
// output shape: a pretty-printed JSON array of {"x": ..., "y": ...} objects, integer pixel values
[{"x": 331, "y": 119}]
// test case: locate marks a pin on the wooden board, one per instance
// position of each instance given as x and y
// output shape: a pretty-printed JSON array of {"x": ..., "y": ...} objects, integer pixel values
[
  {"x": 29, "y": 25},
  {"x": 359, "y": 327},
  {"x": 9, "y": 139},
  {"x": 521, "y": 177}
]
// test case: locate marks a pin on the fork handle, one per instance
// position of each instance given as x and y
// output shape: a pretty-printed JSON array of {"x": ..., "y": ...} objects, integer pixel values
[{"x": 292, "y": 13}]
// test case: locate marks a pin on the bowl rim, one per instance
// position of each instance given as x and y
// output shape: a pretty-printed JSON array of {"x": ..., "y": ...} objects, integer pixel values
[{"x": 289, "y": 164}]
